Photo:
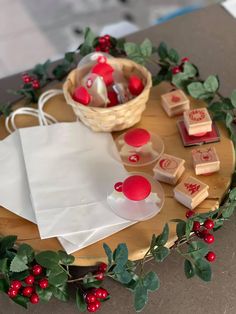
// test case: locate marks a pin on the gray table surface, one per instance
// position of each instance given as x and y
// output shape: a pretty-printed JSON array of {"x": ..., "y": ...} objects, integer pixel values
[{"x": 208, "y": 37}]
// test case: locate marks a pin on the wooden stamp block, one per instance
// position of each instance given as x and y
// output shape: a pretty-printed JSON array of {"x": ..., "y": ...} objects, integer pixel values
[
  {"x": 197, "y": 121},
  {"x": 169, "y": 169},
  {"x": 191, "y": 192},
  {"x": 205, "y": 161},
  {"x": 175, "y": 102}
]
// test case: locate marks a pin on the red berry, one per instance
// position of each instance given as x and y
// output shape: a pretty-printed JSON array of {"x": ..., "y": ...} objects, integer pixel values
[
  {"x": 35, "y": 84},
  {"x": 203, "y": 233},
  {"x": 100, "y": 293},
  {"x": 34, "y": 298},
  {"x": 107, "y": 50},
  {"x": 12, "y": 293},
  {"x": 98, "y": 48},
  {"x": 27, "y": 291},
  {"x": 43, "y": 283},
  {"x": 103, "y": 267},
  {"x": 189, "y": 213},
  {"x": 90, "y": 298},
  {"x": 101, "y": 40},
  {"x": 37, "y": 270},
  {"x": 29, "y": 280},
  {"x": 135, "y": 85},
  {"x": 209, "y": 224},
  {"x": 176, "y": 70},
  {"x": 196, "y": 226},
  {"x": 97, "y": 304},
  {"x": 107, "y": 37},
  {"x": 99, "y": 275},
  {"x": 185, "y": 59},
  {"x": 91, "y": 307},
  {"x": 209, "y": 238},
  {"x": 210, "y": 256},
  {"x": 26, "y": 78},
  {"x": 16, "y": 284}
]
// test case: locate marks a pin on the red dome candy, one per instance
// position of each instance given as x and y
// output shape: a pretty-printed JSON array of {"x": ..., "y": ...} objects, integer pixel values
[
  {"x": 81, "y": 95},
  {"x": 105, "y": 71},
  {"x": 135, "y": 85},
  {"x": 112, "y": 96},
  {"x": 136, "y": 188},
  {"x": 137, "y": 137}
]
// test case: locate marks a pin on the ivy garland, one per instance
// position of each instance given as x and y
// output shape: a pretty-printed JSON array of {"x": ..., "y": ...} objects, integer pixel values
[{"x": 27, "y": 276}]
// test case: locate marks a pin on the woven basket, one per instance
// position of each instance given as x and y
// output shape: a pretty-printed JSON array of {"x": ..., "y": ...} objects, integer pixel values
[{"x": 115, "y": 118}]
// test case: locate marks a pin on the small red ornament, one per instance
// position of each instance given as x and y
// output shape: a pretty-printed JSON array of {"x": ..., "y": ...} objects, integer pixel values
[
  {"x": 135, "y": 85},
  {"x": 105, "y": 71},
  {"x": 185, "y": 59},
  {"x": 209, "y": 238},
  {"x": 176, "y": 70},
  {"x": 101, "y": 40},
  {"x": 103, "y": 267},
  {"x": 211, "y": 256},
  {"x": 81, "y": 95},
  {"x": 29, "y": 280},
  {"x": 26, "y": 78},
  {"x": 137, "y": 137},
  {"x": 27, "y": 291},
  {"x": 99, "y": 275},
  {"x": 16, "y": 284},
  {"x": 196, "y": 226},
  {"x": 12, "y": 293},
  {"x": 92, "y": 307},
  {"x": 113, "y": 99},
  {"x": 107, "y": 38},
  {"x": 43, "y": 283},
  {"x": 34, "y": 299},
  {"x": 100, "y": 293},
  {"x": 98, "y": 48},
  {"x": 209, "y": 224},
  {"x": 90, "y": 298},
  {"x": 37, "y": 270},
  {"x": 134, "y": 158},
  {"x": 189, "y": 213},
  {"x": 35, "y": 84},
  {"x": 136, "y": 188},
  {"x": 118, "y": 186}
]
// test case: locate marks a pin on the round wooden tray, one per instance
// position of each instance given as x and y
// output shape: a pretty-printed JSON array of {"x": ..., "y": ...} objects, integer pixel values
[{"x": 138, "y": 236}]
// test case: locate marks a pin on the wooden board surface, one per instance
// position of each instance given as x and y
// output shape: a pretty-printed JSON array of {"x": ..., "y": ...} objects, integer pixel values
[{"x": 138, "y": 236}]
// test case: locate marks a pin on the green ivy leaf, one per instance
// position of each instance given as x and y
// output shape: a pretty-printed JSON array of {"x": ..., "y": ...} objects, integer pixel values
[
  {"x": 18, "y": 264},
  {"x": 108, "y": 252},
  {"x": 211, "y": 84},
  {"x": 44, "y": 294},
  {"x": 162, "y": 50},
  {"x": 203, "y": 269},
  {"x": 228, "y": 211},
  {"x": 189, "y": 69},
  {"x": 89, "y": 36},
  {"x": 188, "y": 228},
  {"x": 196, "y": 89},
  {"x": 232, "y": 195},
  {"x": 21, "y": 275},
  {"x": 197, "y": 249},
  {"x": 70, "y": 56},
  {"x": 80, "y": 302},
  {"x": 4, "y": 265},
  {"x": 7, "y": 243},
  {"x": 120, "y": 255},
  {"x": 146, "y": 48},
  {"x": 180, "y": 229},
  {"x": 180, "y": 80},
  {"x": 66, "y": 259},
  {"x": 61, "y": 292},
  {"x": 132, "y": 49},
  {"x": 5, "y": 109},
  {"x": 160, "y": 253},
  {"x": 233, "y": 98},
  {"x": 23, "y": 301},
  {"x": 3, "y": 285},
  {"x": 47, "y": 259},
  {"x": 26, "y": 253},
  {"x": 229, "y": 119},
  {"x": 124, "y": 277},
  {"x": 189, "y": 269},
  {"x": 151, "y": 281},
  {"x": 57, "y": 276},
  {"x": 173, "y": 56},
  {"x": 140, "y": 296},
  {"x": 163, "y": 237}
]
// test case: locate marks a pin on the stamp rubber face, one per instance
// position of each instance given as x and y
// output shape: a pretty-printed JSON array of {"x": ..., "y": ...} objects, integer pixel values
[
  {"x": 197, "y": 116},
  {"x": 204, "y": 156},
  {"x": 175, "y": 98},
  {"x": 168, "y": 164},
  {"x": 191, "y": 187}
]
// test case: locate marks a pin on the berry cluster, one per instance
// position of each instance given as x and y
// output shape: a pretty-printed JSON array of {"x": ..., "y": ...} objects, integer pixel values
[
  {"x": 203, "y": 232},
  {"x": 179, "y": 68},
  {"x": 104, "y": 44},
  {"x": 27, "y": 79},
  {"x": 27, "y": 288}
]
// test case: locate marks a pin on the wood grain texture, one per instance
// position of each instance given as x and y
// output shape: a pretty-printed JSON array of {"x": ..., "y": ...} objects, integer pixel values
[{"x": 137, "y": 237}]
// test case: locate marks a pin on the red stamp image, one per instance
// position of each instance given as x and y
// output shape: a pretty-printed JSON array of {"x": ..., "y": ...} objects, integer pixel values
[
  {"x": 134, "y": 158},
  {"x": 118, "y": 186},
  {"x": 168, "y": 164},
  {"x": 175, "y": 98},
  {"x": 197, "y": 115},
  {"x": 192, "y": 188}
]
